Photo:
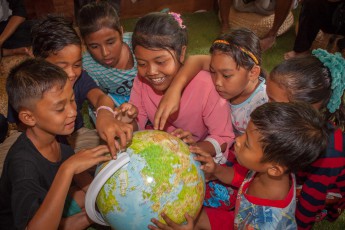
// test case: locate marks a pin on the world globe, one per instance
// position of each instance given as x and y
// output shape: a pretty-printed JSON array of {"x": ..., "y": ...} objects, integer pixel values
[{"x": 155, "y": 174}]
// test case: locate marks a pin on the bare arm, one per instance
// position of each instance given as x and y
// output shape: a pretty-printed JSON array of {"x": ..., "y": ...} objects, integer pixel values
[
  {"x": 224, "y": 174},
  {"x": 10, "y": 28},
  {"x": 107, "y": 125},
  {"x": 48, "y": 216},
  {"x": 209, "y": 148},
  {"x": 171, "y": 99}
]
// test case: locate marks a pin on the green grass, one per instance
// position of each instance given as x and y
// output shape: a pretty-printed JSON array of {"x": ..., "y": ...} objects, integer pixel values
[{"x": 204, "y": 27}]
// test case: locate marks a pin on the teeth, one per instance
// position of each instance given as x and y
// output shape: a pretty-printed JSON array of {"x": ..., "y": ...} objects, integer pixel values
[{"x": 157, "y": 80}]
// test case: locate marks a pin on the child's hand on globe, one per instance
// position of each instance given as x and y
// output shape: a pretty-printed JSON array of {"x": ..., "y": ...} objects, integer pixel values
[
  {"x": 126, "y": 113},
  {"x": 185, "y": 136},
  {"x": 207, "y": 163},
  {"x": 171, "y": 225}
]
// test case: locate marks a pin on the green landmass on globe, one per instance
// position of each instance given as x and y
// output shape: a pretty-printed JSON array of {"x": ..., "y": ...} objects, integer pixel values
[{"x": 162, "y": 176}]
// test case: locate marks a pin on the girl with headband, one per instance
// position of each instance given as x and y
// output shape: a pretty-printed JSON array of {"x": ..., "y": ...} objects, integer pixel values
[{"x": 235, "y": 68}]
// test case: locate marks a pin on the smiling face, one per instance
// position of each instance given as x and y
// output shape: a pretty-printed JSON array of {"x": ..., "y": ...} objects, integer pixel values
[
  {"x": 248, "y": 149},
  {"x": 105, "y": 46},
  {"x": 158, "y": 66},
  {"x": 231, "y": 82},
  {"x": 69, "y": 59},
  {"x": 56, "y": 112}
]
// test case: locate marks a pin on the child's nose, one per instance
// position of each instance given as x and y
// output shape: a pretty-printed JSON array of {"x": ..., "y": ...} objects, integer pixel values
[
  {"x": 151, "y": 70},
  {"x": 217, "y": 80},
  {"x": 72, "y": 110},
  {"x": 105, "y": 51},
  {"x": 71, "y": 73}
]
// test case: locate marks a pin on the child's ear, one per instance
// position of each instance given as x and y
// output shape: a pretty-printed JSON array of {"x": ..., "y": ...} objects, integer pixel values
[
  {"x": 276, "y": 170},
  {"x": 27, "y": 117},
  {"x": 183, "y": 53},
  {"x": 254, "y": 73}
]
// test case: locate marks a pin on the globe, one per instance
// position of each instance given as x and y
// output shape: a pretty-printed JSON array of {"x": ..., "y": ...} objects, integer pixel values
[{"x": 156, "y": 174}]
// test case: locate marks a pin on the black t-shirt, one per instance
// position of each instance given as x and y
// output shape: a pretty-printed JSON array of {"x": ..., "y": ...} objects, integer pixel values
[{"x": 25, "y": 181}]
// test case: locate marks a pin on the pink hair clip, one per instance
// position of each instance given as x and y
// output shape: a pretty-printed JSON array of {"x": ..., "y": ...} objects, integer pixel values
[{"x": 178, "y": 18}]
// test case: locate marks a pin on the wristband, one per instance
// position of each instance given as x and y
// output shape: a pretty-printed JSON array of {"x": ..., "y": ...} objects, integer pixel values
[
  {"x": 106, "y": 108},
  {"x": 218, "y": 158}
]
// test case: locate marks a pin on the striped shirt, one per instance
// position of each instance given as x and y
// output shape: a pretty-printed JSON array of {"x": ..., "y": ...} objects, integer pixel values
[
  {"x": 325, "y": 176},
  {"x": 112, "y": 80}
]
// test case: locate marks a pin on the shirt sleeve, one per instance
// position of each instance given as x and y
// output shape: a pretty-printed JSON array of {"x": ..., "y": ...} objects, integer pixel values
[
  {"x": 313, "y": 196},
  {"x": 17, "y": 7},
  {"x": 321, "y": 177},
  {"x": 137, "y": 100},
  {"x": 216, "y": 115},
  {"x": 240, "y": 174},
  {"x": 84, "y": 85}
]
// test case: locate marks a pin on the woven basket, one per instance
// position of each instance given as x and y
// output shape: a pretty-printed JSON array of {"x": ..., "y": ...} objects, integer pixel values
[
  {"x": 259, "y": 24},
  {"x": 7, "y": 63},
  {"x": 322, "y": 40},
  {"x": 3, "y": 96}
]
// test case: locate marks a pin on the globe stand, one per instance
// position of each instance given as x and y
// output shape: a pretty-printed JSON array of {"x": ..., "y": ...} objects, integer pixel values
[{"x": 97, "y": 184}]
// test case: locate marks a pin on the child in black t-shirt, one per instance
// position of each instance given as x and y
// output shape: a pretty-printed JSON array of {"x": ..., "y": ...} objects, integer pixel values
[{"x": 38, "y": 170}]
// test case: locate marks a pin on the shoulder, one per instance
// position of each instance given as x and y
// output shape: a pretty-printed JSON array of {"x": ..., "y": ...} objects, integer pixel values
[
  {"x": 22, "y": 144},
  {"x": 17, "y": 7},
  {"x": 85, "y": 82},
  {"x": 66, "y": 151},
  {"x": 203, "y": 78}
]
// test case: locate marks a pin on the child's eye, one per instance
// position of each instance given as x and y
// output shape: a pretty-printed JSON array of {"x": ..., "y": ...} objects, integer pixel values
[
  {"x": 227, "y": 76},
  {"x": 93, "y": 46},
  {"x": 77, "y": 65},
  {"x": 110, "y": 42},
  {"x": 60, "y": 110},
  {"x": 141, "y": 64}
]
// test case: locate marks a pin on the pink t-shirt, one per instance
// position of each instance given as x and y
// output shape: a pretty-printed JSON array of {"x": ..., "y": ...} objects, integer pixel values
[{"x": 202, "y": 111}]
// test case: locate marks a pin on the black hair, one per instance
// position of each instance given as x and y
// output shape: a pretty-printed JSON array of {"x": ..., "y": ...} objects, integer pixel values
[
  {"x": 52, "y": 34},
  {"x": 96, "y": 15},
  {"x": 239, "y": 38},
  {"x": 292, "y": 134},
  {"x": 160, "y": 31},
  {"x": 30, "y": 79},
  {"x": 306, "y": 79}
]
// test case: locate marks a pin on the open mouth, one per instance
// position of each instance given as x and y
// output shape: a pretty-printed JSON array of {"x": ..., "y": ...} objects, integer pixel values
[
  {"x": 71, "y": 124},
  {"x": 157, "y": 81},
  {"x": 108, "y": 61}
]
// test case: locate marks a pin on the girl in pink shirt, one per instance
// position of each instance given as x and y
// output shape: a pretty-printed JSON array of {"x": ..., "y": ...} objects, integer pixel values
[{"x": 159, "y": 43}]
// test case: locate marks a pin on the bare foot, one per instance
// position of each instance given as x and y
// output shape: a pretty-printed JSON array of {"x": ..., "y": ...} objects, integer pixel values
[
  {"x": 267, "y": 42},
  {"x": 292, "y": 54}
]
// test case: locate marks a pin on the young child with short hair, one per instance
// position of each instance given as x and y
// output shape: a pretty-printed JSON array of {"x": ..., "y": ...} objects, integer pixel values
[
  {"x": 56, "y": 41},
  {"x": 280, "y": 139},
  {"x": 318, "y": 80},
  {"x": 38, "y": 170},
  {"x": 159, "y": 42}
]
